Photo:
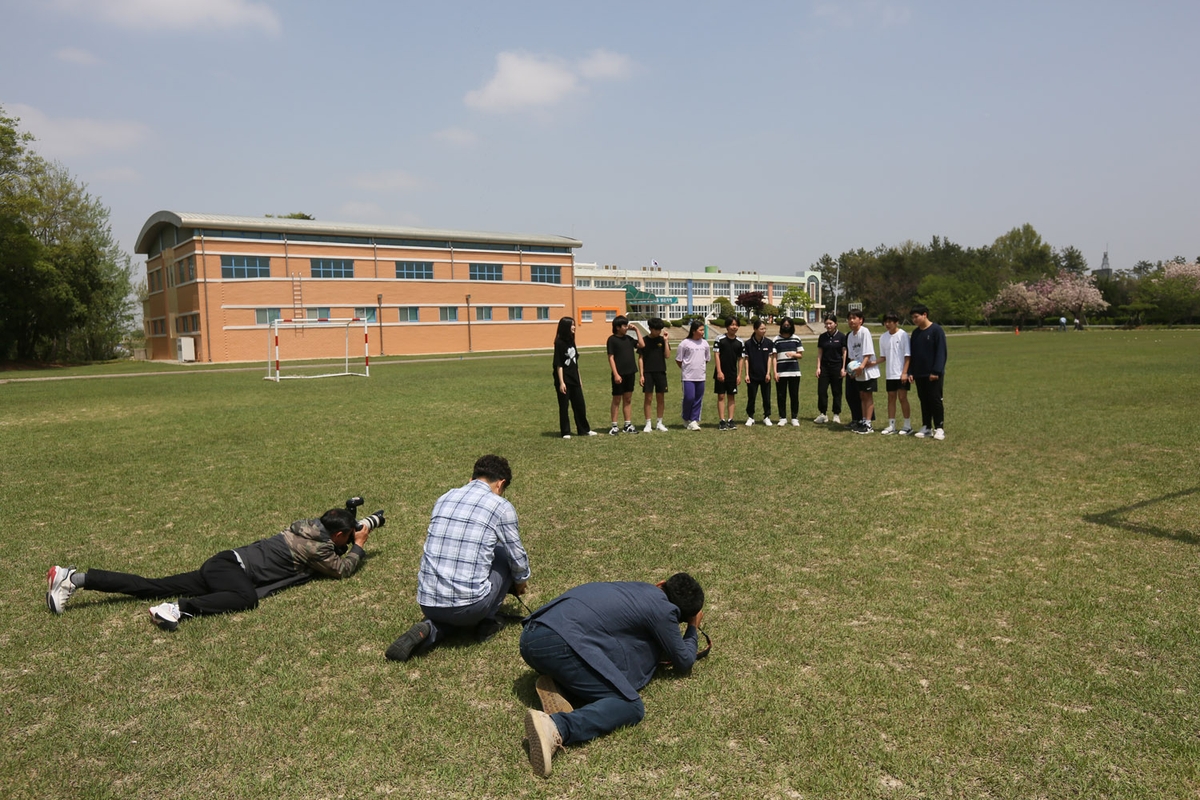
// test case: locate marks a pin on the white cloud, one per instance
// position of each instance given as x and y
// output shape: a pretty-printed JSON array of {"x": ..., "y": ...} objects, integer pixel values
[
  {"x": 75, "y": 55},
  {"x": 853, "y": 13},
  {"x": 66, "y": 137},
  {"x": 385, "y": 181},
  {"x": 179, "y": 15},
  {"x": 459, "y": 137},
  {"x": 524, "y": 80}
]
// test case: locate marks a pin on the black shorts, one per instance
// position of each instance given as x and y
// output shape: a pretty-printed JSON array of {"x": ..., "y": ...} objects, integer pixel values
[
  {"x": 656, "y": 382},
  {"x": 869, "y": 385},
  {"x": 896, "y": 385},
  {"x": 727, "y": 386},
  {"x": 627, "y": 384}
]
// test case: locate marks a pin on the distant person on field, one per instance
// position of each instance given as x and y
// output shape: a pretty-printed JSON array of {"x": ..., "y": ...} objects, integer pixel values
[
  {"x": 862, "y": 371},
  {"x": 760, "y": 370},
  {"x": 567, "y": 384},
  {"x": 729, "y": 372},
  {"x": 234, "y": 580},
  {"x": 927, "y": 369},
  {"x": 473, "y": 558},
  {"x": 622, "y": 362},
  {"x": 894, "y": 354},
  {"x": 691, "y": 356},
  {"x": 1062, "y": 324},
  {"x": 596, "y": 646},
  {"x": 831, "y": 370},
  {"x": 652, "y": 363},
  {"x": 788, "y": 352}
]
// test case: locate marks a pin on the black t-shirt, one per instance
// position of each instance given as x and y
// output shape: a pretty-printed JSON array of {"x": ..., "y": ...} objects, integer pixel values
[
  {"x": 623, "y": 349},
  {"x": 654, "y": 354},
  {"x": 729, "y": 351},
  {"x": 758, "y": 354},
  {"x": 831, "y": 345},
  {"x": 567, "y": 357}
]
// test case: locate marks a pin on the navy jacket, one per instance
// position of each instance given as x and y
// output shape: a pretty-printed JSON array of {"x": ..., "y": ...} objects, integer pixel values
[{"x": 622, "y": 630}]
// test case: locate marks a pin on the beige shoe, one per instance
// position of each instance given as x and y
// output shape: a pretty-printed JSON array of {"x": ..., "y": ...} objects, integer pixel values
[
  {"x": 552, "y": 700},
  {"x": 544, "y": 740}
]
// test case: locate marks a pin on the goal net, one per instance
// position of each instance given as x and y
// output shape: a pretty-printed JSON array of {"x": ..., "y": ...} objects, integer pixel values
[{"x": 320, "y": 340}]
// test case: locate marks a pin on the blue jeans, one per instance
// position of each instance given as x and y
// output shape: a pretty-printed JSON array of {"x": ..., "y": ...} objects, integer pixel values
[
  {"x": 604, "y": 709},
  {"x": 471, "y": 615}
]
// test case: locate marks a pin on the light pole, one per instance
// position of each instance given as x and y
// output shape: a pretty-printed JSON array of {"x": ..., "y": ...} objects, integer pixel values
[
  {"x": 468, "y": 323},
  {"x": 379, "y": 320}
]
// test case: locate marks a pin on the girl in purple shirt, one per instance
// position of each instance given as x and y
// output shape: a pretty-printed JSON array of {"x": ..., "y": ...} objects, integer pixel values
[{"x": 692, "y": 356}]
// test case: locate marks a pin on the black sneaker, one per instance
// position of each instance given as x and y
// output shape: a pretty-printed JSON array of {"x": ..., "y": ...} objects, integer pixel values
[
  {"x": 629, "y": 428},
  {"x": 721, "y": 426},
  {"x": 402, "y": 648},
  {"x": 730, "y": 425},
  {"x": 614, "y": 430}
]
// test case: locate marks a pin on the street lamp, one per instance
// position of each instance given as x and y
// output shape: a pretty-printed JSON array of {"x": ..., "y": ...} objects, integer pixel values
[
  {"x": 379, "y": 320},
  {"x": 469, "y": 323}
]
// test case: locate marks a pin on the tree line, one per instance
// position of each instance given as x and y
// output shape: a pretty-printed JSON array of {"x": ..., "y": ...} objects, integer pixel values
[{"x": 66, "y": 288}]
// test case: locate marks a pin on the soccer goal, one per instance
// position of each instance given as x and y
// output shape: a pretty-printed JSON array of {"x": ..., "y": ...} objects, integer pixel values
[{"x": 317, "y": 339}]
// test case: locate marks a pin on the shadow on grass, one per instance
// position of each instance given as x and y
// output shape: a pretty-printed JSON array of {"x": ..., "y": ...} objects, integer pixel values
[{"x": 1114, "y": 519}]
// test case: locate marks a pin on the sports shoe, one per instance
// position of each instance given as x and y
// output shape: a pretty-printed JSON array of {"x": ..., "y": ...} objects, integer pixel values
[
  {"x": 767, "y": 421},
  {"x": 591, "y": 433},
  {"x": 837, "y": 419},
  {"x": 888, "y": 431},
  {"x": 821, "y": 419},
  {"x": 59, "y": 588},
  {"x": 921, "y": 434},
  {"x": 552, "y": 700},
  {"x": 782, "y": 421},
  {"x": 864, "y": 428},
  {"x": 614, "y": 430},
  {"x": 402, "y": 648},
  {"x": 854, "y": 426},
  {"x": 544, "y": 740},
  {"x": 649, "y": 427},
  {"x": 795, "y": 422},
  {"x": 629, "y": 428},
  {"x": 731, "y": 425},
  {"x": 694, "y": 425},
  {"x": 722, "y": 426},
  {"x": 566, "y": 436},
  {"x": 749, "y": 422},
  {"x": 165, "y": 615},
  {"x": 905, "y": 432},
  {"x": 661, "y": 427},
  {"x": 939, "y": 434},
  {"x": 486, "y": 628}
]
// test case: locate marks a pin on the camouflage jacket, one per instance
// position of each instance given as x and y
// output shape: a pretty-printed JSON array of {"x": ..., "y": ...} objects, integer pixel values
[{"x": 294, "y": 556}]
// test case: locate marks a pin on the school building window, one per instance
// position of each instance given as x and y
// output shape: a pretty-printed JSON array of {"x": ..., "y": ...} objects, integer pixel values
[
  {"x": 738, "y": 288},
  {"x": 583, "y": 283},
  {"x": 585, "y": 316},
  {"x": 187, "y": 323},
  {"x": 678, "y": 286},
  {"x": 448, "y": 314},
  {"x": 366, "y": 312},
  {"x": 487, "y": 272},
  {"x": 332, "y": 268},
  {"x": 185, "y": 270},
  {"x": 409, "y": 314},
  {"x": 265, "y": 316},
  {"x": 483, "y": 312},
  {"x": 609, "y": 316},
  {"x": 245, "y": 267},
  {"x": 545, "y": 274},
  {"x": 414, "y": 270},
  {"x": 543, "y": 312},
  {"x": 701, "y": 288},
  {"x": 154, "y": 280},
  {"x": 158, "y": 327},
  {"x": 317, "y": 313},
  {"x": 516, "y": 312},
  {"x": 605, "y": 283}
]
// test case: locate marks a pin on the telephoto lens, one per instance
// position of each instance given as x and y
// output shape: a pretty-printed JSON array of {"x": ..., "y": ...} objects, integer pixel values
[{"x": 374, "y": 521}]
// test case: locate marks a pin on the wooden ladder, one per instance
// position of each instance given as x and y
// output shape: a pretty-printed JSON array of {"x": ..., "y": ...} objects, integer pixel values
[{"x": 297, "y": 297}]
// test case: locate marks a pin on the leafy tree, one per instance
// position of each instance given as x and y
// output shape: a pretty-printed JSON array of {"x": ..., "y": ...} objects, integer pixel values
[
  {"x": 1069, "y": 259},
  {"x": 293, "y": 215},
  {"x": 769, "y": 311},
  {"x": 950, "y": 299},
  {"x": 725, "y": 308},
  {"x": 751, "y": 301},
  {"x": 1021, "y": 254},
  {"x": 796, "y": 301},
  {"x": 1173, "y": 291},
  {"x": 1074, "y": 294}
]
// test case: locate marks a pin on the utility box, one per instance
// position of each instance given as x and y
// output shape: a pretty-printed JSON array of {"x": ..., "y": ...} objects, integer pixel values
[{"x": 185, "y": 349}]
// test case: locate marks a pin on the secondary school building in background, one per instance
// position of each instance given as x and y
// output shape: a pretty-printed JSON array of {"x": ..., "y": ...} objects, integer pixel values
[{"x": 216, "y": 283}]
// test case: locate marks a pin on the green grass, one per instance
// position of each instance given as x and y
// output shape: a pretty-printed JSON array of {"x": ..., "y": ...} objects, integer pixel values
[{"x": 1009, "y": 613}]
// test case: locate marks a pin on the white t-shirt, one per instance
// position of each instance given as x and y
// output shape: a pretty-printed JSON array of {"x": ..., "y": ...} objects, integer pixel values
[
  {"x": 894, "y": 348},
  {"x": 859, "y": 346}
]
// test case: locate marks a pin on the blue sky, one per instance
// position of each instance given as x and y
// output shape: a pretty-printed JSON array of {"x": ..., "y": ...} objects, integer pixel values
[{"x": 747, "y": 135}]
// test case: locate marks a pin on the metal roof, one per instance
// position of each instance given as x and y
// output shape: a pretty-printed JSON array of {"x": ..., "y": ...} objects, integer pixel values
[{"x": 183, "y": 219}]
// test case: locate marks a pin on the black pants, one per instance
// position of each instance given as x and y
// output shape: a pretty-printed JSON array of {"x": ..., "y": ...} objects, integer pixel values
[
  {"x": 219, "y": 586},
  {"x": 788, "y": 387},
  {"x": 752, "y": 387},
  {"x": 853, "y": 399},
  {"x": 930, "y": 394},
  {"x": 574, "y": 397},
  {"x": 829, "y": 380}
]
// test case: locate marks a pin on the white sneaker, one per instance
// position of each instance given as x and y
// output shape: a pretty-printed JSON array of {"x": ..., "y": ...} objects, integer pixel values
[
  {"x": 59, "y": 588},
  {"x": 939, "y": 434},
  {"x": 837, "y": 419},
  {"x": 795, "y": 422},
  {"x": 694, "y": 425},
  {"x": 821, "y": 419},
  {"x": 592, "y": 433},
  {"x": 749, "y": 421},
  {"x": 905, "y": 432},
  {"x": 921, "y": 434},
  {"x": 566, "y": 436},
  {"x": 165, "y": 616},
  {"x": 782, "y": 421},
  {"x": 649, "y": 427},
  {"x": 888, "y": 431},
  {"x": 767, "y": 421},
  {"x": 661, "y": 427},
  {"x": 614, "y": 430}
]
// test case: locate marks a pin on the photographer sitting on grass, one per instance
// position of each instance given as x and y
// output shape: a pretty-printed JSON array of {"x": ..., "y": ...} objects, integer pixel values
[
  {"x": 235, "y": 580},
  {"x": 597, "y": 645}
]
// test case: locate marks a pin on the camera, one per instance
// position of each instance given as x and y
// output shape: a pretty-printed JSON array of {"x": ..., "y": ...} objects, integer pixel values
[{"x": 372, "y": 521}]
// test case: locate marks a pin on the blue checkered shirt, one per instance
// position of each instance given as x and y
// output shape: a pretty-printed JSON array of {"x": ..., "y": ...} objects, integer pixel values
[{"x": 467, "y": 528}]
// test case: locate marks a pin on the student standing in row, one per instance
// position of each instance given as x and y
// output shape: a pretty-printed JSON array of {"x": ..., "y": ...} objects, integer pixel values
[
  {"x": 569, "y": 388},
  {"x": 831, "y": 370},
  {"x": 788, "y": 352},
  {"x": 729, "y": 372},
  {"x": 865, "y": 375},
  {"x": 894, "y": 355},
  {"x": 760, "y": 370},
  {"x": 691, "y": 356},
  {"x": 652, "y": 361},
  {"x": 622, "y": 361},
  {"x": 928, "y": 371}
]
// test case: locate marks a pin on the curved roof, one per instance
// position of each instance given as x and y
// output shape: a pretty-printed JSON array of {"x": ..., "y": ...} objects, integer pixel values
[{"x": 182, "y": 219}]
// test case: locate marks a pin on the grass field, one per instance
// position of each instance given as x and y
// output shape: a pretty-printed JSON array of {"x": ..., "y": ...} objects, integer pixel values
[{"x": 1012, "y": 612}]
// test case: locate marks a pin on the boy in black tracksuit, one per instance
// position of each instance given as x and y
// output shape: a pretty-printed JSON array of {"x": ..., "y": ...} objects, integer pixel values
[{"x": 760, "y": 368}]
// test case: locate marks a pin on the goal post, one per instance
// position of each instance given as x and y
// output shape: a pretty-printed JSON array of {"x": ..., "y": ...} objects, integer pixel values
[{"x": 331, "y": 332}]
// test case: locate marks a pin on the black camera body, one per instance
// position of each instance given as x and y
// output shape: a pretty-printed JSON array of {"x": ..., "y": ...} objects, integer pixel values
[{"x": 372, "y": 521}]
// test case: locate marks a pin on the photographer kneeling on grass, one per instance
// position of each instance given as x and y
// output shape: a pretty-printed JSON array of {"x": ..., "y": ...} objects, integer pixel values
[
  {"x": 235, "y": 580},
  {"x": 597, "y": 645}
]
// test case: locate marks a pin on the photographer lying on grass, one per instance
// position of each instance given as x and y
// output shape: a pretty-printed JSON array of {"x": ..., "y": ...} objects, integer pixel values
[
  {"x": 597, "y": 645},
  {"x": 235, "y": 580}
]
